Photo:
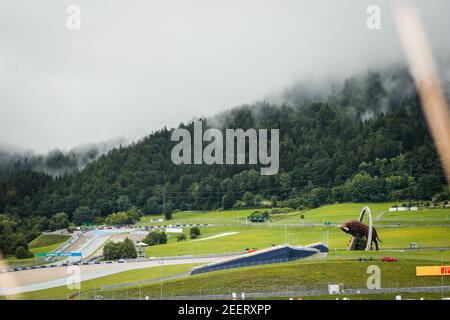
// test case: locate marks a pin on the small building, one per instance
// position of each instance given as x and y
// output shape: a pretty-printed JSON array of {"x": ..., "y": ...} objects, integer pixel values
[
  {"x": 334, "y": 289},
  {"x": 141, "y": 249}
]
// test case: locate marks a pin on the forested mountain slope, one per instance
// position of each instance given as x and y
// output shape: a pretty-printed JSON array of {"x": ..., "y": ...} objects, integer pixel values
[{"x": 366, "y": 141}]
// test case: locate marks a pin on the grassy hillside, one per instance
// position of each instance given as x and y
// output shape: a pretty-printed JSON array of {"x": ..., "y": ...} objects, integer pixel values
[
  {"x": 265, "y": 236},
  {"x": 47, "y": 240},
  {"x": 382, "y": 296},
  {"x": 294, "y": 275},
  {"x": 124, "y": 277},
  {"x": 329, "y": 152},
  {"x": 396, "y": 229},
  {"x": 336, "y": 213},
  {"x": 339, "y": 268}
]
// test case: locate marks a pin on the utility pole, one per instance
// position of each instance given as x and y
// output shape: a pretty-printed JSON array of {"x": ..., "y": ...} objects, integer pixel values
[
  {"x": 164, "y": 194},
  {"x": 409, "y": 189},
  {"x": 218, "y": 198},
  {"x": 164, "y": 197},
  {"x": 442, "y": 278}
]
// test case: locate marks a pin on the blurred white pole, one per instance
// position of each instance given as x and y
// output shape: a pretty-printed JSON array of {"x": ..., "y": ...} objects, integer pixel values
[{"x": 423, "y": 70}]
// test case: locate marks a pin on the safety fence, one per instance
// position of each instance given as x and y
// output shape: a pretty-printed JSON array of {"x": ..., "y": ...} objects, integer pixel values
[
  {"x": 288, "y": 292},
  {"x": 141, "y": 282}
]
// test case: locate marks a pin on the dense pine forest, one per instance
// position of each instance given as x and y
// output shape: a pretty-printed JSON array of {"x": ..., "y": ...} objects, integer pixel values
[{"x": 366, "y": 140}]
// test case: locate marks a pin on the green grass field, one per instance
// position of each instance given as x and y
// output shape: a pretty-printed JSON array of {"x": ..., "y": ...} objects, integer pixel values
[
  {"x": 424, "y": 215},
  {"x": 61, "y": 293},
  {"x": 307, "y": 274},
  {"x": 339, "y": 213},
  {"x": 47, "y": 240},
  {"x": 427, "y": 228},
  {"x": 43, "y": 243},
  {"x": 376, "y": 296},
  {"x": 264, "y": 236},
  {"x": 291, "y": 228},
  {"x": 216, "y": 217},
  {"x": 434, "y": 256},
  {"x": 336, "y": 213}
]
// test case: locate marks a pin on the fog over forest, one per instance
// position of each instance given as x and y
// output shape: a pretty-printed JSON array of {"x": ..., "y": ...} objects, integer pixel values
[{"x": 134, "y": 69}]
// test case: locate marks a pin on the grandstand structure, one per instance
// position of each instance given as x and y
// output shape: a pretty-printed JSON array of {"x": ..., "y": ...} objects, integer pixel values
[{"x": 275, "y": 254}]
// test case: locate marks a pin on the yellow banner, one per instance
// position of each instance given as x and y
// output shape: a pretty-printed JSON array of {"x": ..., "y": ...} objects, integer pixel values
[{"x": 433, "y": 271}]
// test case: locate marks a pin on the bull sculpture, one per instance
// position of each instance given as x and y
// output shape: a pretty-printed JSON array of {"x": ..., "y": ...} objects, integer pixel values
[{"x": 359, "y": 230}]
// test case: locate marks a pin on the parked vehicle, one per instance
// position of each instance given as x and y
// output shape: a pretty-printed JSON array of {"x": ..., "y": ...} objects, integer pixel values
[{"x": 389, "y": 259}]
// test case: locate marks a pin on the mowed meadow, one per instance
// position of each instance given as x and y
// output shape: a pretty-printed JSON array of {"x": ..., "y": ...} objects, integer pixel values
[{"x": 232, "y": 232}]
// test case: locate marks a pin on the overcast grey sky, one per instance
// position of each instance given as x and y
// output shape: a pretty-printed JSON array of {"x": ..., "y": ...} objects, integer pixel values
[{"x": 138, "y": 65}]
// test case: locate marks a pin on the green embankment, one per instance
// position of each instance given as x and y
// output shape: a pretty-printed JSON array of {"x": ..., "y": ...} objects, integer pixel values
[
  {"x": 288, "y": 228},
  {"x": 396, "y": 229},
  {"x": 47, "y": 240},
  {"x": 63, "y": 292},
  {"x": 220, "y": 217},
  {"x": 264, "y": 236},
  {"x": 288, "y": 276},
  {"x": 336, "y": 213},
  {"x": 43, "y": 243}
]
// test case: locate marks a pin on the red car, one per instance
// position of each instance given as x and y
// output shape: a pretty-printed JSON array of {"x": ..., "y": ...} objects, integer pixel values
[{"x": 389, "y": 259}]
